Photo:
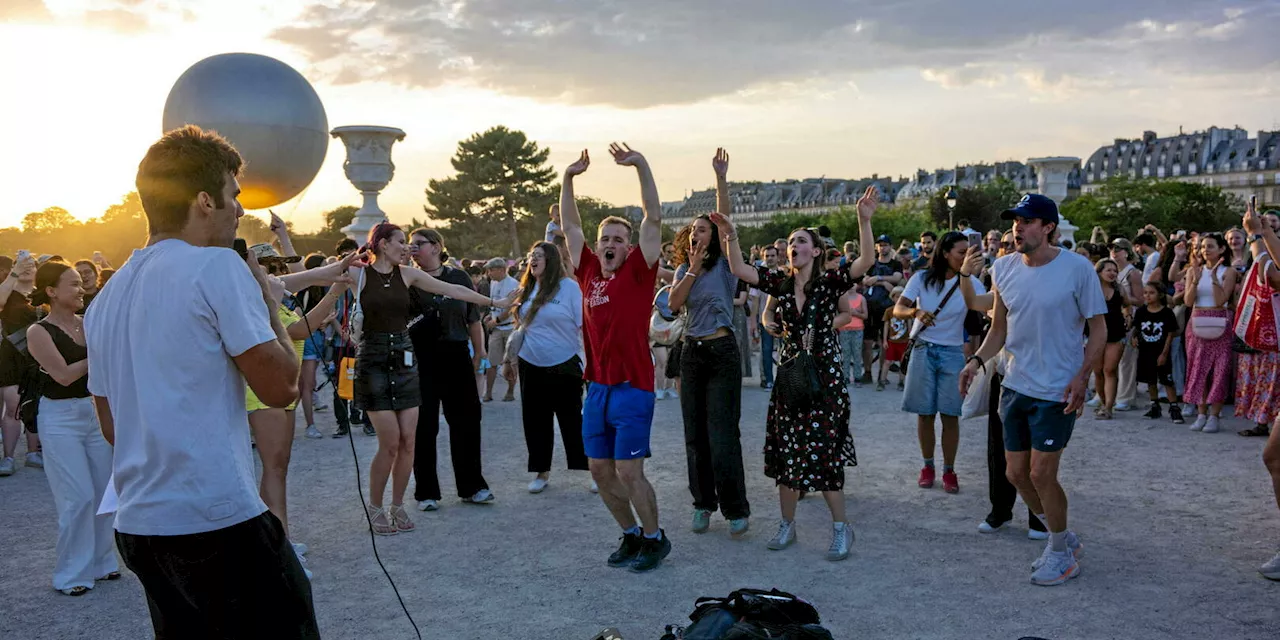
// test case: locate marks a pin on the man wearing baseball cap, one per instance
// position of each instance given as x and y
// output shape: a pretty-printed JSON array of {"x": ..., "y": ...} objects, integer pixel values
[
  {"x": 501, "y": 323},
  {"x": 1043, "y": 295},
  {"x": 883, "y": 276}
]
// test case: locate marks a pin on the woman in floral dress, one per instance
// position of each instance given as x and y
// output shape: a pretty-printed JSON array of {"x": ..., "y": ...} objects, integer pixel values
[{"x": 807, "y": 449}]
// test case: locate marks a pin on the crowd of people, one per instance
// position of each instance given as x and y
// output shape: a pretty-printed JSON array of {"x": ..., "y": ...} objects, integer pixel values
[{"x": 592, "y": 335}]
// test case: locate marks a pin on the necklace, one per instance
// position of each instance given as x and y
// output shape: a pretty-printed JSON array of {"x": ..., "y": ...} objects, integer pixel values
[{"x": 386, "y": 279}]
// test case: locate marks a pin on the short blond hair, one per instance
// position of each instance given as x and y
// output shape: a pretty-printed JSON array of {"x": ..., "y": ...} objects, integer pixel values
[{"x": 615, "y": 220}]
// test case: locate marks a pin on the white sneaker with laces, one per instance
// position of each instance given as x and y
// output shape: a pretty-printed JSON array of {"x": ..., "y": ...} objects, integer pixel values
[
  {"x": 303, "y": 561},
  {"x": 1057, "y": 567},
  {"x": 1201, "y": 420},
  {"x": 1123, "y": 406},
  {"x": 785, "y": 536},
  {"x": 841, "y": 541},
  {"x": 313, "y": 432},
  {"x": 428, "y": 505},
  {"x": 538, "y": 485},
  {"x": 35, "y": 459},
  {"x": 1073, "y": 545},
  {"x": 1211, "y": 425}
]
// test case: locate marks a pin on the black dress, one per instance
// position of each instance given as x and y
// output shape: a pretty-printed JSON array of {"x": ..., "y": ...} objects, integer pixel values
[
  {"x": 1116, "y": 329},
  {"x": 808, "y": 451},
  {"x": 17, "y": 315}
]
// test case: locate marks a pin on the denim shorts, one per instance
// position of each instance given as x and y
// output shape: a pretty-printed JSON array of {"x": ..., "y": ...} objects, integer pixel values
[
  {"x": 313, "y": 346},
  {"x": 616, "y": 421},
  {"x": 933, "y": 380},
  {"x": 1031, "y": 423}
]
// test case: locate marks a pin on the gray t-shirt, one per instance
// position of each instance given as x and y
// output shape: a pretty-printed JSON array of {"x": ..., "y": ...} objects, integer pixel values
[
  {"x": 710, "y": 301},
  {"x": 1048, "y": 306}
]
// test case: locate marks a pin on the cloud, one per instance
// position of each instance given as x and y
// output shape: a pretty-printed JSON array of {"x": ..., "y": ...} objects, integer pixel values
[
  {"x": 23, "y": 10},
  {"x": 638, "y": 55},
  {"x": 118, "y": 19}
]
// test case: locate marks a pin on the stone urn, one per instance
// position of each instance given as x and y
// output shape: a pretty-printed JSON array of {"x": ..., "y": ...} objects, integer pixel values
[{"x": 368, "y": 166}]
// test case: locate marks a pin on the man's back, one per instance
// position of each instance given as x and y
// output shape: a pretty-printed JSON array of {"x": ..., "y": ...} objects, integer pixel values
[{"x": 161, "y": 340}]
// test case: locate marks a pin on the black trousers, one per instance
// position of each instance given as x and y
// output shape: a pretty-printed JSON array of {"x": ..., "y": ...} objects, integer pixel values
[
  {"x": 711, "y": 400},
  {"x": 447, "y": 380},
  {"x": 548, "y": 394},
  {"x": 1002, "y": 493},
  {"x": 243, "y": 581}
]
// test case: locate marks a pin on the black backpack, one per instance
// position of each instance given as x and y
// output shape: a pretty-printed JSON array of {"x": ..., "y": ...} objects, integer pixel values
[{"x": 750, "y": 614}]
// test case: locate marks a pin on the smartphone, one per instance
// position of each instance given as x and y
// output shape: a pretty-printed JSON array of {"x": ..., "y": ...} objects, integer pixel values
[
  {"x": 1253, "y": 203},
  {"x": 23, "y": 254},
  {"x": 241, "y": 248}
]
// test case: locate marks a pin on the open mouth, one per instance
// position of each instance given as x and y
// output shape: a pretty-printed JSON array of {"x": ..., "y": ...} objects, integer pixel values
[{"x": 609, "y": 254}]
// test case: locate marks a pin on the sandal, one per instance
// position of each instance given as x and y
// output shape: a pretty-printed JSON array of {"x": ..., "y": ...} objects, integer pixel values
[
  {"x": 1259, "y": 430},
  {"x": 1105, "y": 414},
  {"x": 75, "y": 591},
  {"x": 400, "y": 518},
  {"x": 380, "y": 521}
]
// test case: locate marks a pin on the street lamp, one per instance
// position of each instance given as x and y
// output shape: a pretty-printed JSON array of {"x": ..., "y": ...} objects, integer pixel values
[{"x": 951, "y": 208}]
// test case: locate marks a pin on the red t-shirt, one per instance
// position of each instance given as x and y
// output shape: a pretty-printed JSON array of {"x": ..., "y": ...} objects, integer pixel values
[{"x": 615, "y": 319}]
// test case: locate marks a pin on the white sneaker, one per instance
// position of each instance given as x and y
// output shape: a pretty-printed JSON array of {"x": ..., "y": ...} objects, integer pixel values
[
  {"x": 1211, "y": 425},
  {"x": 483, "y": 496},
  {"x": 34, "y": 459},
  {"x": 538, "y": 485},
  {"x": 985, "y": 527},
  {"x": 6, "y": 467},
  {"x": 671, "y": 393},
  {"x": 594, "y": 488},
  {"x": 300, "y": 548},
  {"x": 302, "y": 561},
  {"x": 1095, "y": 401},
  {"x": 1123, "y": 406},
  {"x": 1200, "y": 422},
  {"x": 313, "y": 432},
  {"x": 1033, "y": 534},
  {"x": 428, "y": 505},
  {"x": 1271, "y": 570}
]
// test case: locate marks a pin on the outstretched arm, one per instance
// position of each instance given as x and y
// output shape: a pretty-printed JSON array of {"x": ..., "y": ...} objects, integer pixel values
[
  {"x": 570, "y": 220},
  {"x": 729, "y": 232},
  {"x": 866, "y": 247},
  {"x": 423, "y": 280},
  {"x": 651, "y": 226},
  {"x": 972, "y": 299},
  {"x": 281, "y": 230}
]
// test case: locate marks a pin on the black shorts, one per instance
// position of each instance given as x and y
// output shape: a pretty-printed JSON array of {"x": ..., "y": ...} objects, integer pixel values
[
  {"x": 873, "y": 326},
  {"x": 13, "y": 364},
  {"x": 243, "y": 581},
  {"x": 384, "y": 380}
]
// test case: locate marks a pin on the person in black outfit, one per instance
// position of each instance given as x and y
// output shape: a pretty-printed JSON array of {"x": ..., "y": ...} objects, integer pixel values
[
  {"x": 884, "y": 275},
  {"x": 440, "y": 328},
  {"x": 16, "y": 314}
]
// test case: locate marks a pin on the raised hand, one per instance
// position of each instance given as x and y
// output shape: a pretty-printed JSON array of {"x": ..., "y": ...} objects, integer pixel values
[
  {"x": 868, "y": 202},
  {"x": 974, "y": 261},
  {"x": 624, "y": 155},
  {"x": 697, "y": 253},
  {"x": 720, "y": 163},
  {"x": 277, "y": 225},
  {"x": 275, "y": 288},
  {"x": 1252, "y": 223},
  {"x": 579, "y": 167},
  {"x": 723, "y": 224}
]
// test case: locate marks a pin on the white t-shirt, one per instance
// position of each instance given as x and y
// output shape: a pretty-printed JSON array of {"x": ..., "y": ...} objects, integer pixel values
[
  {"x": 161, "y": 338},
  {"x": 556, "y": 333},
  {"x": 1048, "y": 306},
  {"x": 1149, "y": 268},
  {"x": 948, "y": 327},
  {"x": 499, "y": 290}
]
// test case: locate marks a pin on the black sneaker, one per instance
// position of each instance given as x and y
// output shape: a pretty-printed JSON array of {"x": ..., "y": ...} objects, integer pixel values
[
  {"x": 369, "y": 431},
  {"x": 1154, "y": 411},
  {"x": 341, "y": 432},
  {"x": 651, "y": 553},
  {"x": 1175, "y": 414},
  {"x": 627, "y": 551},
  {"x": 866, "y": 378}
]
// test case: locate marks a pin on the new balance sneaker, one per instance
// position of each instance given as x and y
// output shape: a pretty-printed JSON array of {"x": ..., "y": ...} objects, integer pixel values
[
  {"x": 1210, "y": 425},
  {"x": 1201, "y": 420},
  {"x": 1154, "y": 412},
  {"x": 652, "y": 551},
  {"x": 701, "y": 521},
  {"x": 6, "y": 467},
  {"x": 841, "y": 541},
  {"x": 1073, "y": 545},
  {"x": 1271, "y": 570},
  {"x": 739, "y": 526},
  {"x": 313, "y": 432},
  {"x": 927, "y": 476},
  {"x": 1175, "y": 414},
  {"x": 627, "y": 551},
  {"x": 1057, "y": 567},
  {"x": 35, "y": 459},
  {"x": 785, "y": 536},
  {"x": 950, "y": 483}
]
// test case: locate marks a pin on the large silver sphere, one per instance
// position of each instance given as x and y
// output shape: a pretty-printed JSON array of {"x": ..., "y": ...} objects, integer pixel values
[{"x": 267, "y": 110}]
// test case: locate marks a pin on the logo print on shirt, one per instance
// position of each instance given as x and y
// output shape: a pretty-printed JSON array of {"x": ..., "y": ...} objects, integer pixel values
[{"x": 597, "y": 296}]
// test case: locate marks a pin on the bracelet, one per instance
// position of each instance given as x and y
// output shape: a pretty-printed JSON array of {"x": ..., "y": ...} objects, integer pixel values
[
  {"x": 733, "y": 237},
  {"x": 981, "y": 365},
  {"x": 690, "y": 274}
]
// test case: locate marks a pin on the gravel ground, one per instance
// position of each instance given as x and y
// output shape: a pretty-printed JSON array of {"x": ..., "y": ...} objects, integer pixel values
[{"x": 1174, "y": 523}]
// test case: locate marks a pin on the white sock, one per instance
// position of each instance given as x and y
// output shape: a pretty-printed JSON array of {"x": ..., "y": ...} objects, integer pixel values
[{"x": 1058, "y": 541}]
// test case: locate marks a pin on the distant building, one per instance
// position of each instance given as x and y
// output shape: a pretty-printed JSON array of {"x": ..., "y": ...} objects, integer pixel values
[
  {"x": 1226, "y": 158},
  {"x": 755, "y": 203},
  {"x": 1023, "y": 176}
]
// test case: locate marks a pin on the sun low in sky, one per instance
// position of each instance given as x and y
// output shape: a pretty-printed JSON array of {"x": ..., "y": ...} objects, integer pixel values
[{"x": 842, "y": 88}]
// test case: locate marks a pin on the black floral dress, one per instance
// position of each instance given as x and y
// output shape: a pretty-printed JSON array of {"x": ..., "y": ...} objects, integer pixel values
[{"x": 808, "y": 451}]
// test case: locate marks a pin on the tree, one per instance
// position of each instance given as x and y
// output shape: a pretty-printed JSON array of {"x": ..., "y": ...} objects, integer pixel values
[
  {"x": 980, "y": 205},
  {"x": 1122, "y": 205},
  {"x": 49, "y": 220},
  {"x": 336, "y": 219},
  {"x": 500, "y": 175}
]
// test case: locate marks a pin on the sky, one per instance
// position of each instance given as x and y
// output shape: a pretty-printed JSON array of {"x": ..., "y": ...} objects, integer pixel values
[{"x": 841, "y": 88}]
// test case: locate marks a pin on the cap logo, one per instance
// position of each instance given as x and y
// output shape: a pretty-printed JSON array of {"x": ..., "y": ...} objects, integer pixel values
[{"x": 1025, "y": 199}]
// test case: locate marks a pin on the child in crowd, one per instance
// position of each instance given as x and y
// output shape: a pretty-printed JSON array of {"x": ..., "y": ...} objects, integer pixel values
[
  {"x": 894, "y": 344},
  {"x": 1154, "y": 326},
  {"x": 851, "y": 337}
]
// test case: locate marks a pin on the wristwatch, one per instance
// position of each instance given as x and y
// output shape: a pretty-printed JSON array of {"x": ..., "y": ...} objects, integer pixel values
[{"x": 1255, "y": 237}]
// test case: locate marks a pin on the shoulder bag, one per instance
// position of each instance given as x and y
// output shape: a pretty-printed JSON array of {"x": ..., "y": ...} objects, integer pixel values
[
  {"x": 797, "y": 384},
  {"x": 919, "y": 326}
]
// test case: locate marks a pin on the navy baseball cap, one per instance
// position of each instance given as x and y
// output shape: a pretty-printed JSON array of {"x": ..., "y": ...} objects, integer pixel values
[
  {"x": 884, "y": 238},
  {"x": 1033, "y": 205}
]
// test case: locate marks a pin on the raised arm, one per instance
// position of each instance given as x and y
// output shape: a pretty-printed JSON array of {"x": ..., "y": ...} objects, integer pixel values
[
  {"x": 651, "y": 226},
  {"x": 24, "y": 269},
  {"x": 320, "y": 315},
  {"x": 570, "y": 220},
  {"x": 973, "y": 262},
  {"x": 281, "y": 230},
  {"x": 732, "y": 253},
  {"x": 680, "y": 292},
  {"x": 866, "y": 246},
  {"x": 720, "y": 164},
  {"x": 321, "y": 277},
  {"x": 421, "y": 279}
]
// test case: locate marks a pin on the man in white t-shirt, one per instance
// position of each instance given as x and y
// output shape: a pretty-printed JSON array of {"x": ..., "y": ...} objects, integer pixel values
[
  {"x": 1044, "y": 295},
  {"x": 1145, "y": 245},
  {"x": 172, "y": 341},
  {"x": 501, "y": 323}
]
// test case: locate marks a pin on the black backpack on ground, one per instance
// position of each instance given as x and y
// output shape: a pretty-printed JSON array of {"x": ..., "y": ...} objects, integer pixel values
[{"x": 751, "y": 614}]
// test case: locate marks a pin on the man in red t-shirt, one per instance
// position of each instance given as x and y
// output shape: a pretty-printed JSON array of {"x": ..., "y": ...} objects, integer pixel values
[{"x": 617, "y": 281}]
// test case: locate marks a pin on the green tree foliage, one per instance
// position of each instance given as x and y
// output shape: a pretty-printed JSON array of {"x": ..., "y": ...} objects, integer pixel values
[
  {"x": 501, "y": 174},
  {"x": 49, "y": 220},
  {"x": 900, "y": 222},
  {"x": 1123, "y": 205},
  {"x": 980, "y": 205}
]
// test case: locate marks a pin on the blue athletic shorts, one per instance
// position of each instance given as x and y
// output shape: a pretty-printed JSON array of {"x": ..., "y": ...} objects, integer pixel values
[
  {"x": 616, "y": 421},
  {"x": 313, "y": 346},
  {"x": 1031, "y": 423}
]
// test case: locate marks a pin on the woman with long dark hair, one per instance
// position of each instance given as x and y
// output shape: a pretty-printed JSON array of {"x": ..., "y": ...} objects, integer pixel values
[
  {"x": 710, "y": 373},
  {"x": 16, "y": 314},
  {"x": 933, "y": 299},
  {"x": 386, "y": 377},
  {"x": 77, "y": 457},
  {"x": 549, "y": 308},
  {"x": 1210, "y": 285},
  {"x": 1106, "y": 374},
  {"x": 808, "y": 443}
]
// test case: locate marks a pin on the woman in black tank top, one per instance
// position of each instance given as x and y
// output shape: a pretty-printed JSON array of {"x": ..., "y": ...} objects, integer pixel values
[
  {"x": 16, "y": 314},
  {"x": 386, "y": 376},
  {"x": 77, "y": 457}
]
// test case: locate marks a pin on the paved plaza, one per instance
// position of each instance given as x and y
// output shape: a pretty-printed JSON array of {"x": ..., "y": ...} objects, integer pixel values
[{"x": 1174, "y": 525}]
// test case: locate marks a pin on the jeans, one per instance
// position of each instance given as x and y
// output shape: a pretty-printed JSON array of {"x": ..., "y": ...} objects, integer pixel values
[
  {"x": 711, "y": 400},
  {"x": 77, "y": 462},
  {"x": 548, "y": 394},
  {"x": 447, "y": 381},
  {"x": 851, "y": 353},
  {"x": 766, "y": 357},
  {"x": 744, "y": 339}
]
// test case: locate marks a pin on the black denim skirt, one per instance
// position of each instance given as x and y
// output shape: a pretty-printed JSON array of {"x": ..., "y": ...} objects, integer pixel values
[{"x": 383, "y": 380}]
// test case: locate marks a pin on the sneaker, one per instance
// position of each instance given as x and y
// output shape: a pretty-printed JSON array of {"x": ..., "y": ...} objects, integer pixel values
[
  {"x": 880, "y": 385},
  {"x": 1036, "y": 534},
  {"x": 927, "y": 476},
  {"x": 986, "y": 527},
  {"x": 303, "y": 561},
  {"x": 538, "y": 485},
  {"x": 313, "y": 432},
  {"x": 1154, "y": 412},
  {"x": 6, "y": 467},
  {"x": 341, "y": 432},
  {"x": 483, "y": 496},
  {"x": 785, "y": 536},
  {"x": 659, "y": 394},
  {"x": 369, "y": 430},
  {"x": 1123, "y": 406},
  {"x": 320, "y": 405},
  {"x": 901, "y": 385},
  {"x": 299, "y": 548},
  {"x": 594, "y": 488},
  {"x": 671, "y": 393},
  {"x": 626, "y": 553},
  {"x": 1095, "y": 401},
  {"x": 1175, "y": 414},
  {"x": 1271, "y": 570},
  {"x": 701, "y": 521},
  {"x": 739, "y": 526},
  {"x": 1210, "y": 425},
  {"x": 767, "y": 385},
  {"x": 950, "y": 483},
  {"x": 1057, "y": 568},
  {"x": 1201, "y": 420},
  {"x": 428, "y": 505},
  {"x": 1073, "y": 545},
  {"x": 841, "y": 541},
  {"x": 651, "y": 553},
  {"x": 35, "y": 459}
]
